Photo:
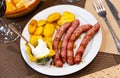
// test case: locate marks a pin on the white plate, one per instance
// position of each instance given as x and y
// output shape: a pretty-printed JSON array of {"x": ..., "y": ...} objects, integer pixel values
[{"x": 91, "y": 50}]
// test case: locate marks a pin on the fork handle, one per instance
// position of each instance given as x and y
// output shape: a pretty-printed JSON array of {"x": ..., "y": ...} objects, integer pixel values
[{"x": 116, "y": 40}]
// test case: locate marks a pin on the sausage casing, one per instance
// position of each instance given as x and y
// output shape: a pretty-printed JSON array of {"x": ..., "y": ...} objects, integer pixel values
[
  {"x": 89, "y": 35},
  {"x": 60, "y": 32},
  {"x": 74, "y": 36},
  {"x": 63, "y": 50}
]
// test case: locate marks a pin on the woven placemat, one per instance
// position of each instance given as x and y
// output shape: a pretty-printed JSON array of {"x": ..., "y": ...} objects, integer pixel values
[{"x": 112, "y": 72}]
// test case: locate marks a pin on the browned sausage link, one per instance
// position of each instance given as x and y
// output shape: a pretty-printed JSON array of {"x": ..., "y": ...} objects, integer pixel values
[
  {"x": 75, "y": 35},
  {"x": 56, "y": 41},
  {"x": 63, "y": 50},
  {"x": 89, "y": 35}
]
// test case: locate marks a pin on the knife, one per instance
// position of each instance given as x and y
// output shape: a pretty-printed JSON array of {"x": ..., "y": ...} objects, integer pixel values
[{"x": 114, "y": 11}]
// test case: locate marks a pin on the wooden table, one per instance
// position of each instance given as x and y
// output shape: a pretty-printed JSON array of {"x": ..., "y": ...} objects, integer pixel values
[{"x": 12, "y": 65}]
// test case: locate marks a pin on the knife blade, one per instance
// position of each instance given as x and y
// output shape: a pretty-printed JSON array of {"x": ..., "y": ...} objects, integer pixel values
[{"x": 113, "y": 9}]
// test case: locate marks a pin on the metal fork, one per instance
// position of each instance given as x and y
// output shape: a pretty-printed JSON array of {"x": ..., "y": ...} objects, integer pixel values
[{"x": 102, "y": 12}]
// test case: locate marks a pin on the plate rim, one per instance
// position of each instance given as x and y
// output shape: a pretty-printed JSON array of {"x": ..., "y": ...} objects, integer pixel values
[{"x": 71, "y": 66}]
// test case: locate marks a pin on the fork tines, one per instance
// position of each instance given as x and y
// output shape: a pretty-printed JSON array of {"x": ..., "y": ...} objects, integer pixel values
[{"x": 98, "y": 4}]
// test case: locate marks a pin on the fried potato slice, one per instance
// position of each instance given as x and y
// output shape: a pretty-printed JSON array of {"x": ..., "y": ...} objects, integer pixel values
[
  {"x": 39, "y": 30},
  {"x": 66, "y": 17},
  {"x": 49, "y": 29},
  {"x": 34, "y": 39},
  {"x": 53, "y": 17},
  {"x": 32, "y": 26},
  {"x": 41, "y": 22}
]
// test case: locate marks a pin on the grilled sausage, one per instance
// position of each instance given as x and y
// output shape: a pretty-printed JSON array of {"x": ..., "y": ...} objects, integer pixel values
[
  {"x": 60, "y": 32},
  {"x": 63, "y": 50},
  {"x": 74, "y": 36},
  {"x": 89, "y": 35}
]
